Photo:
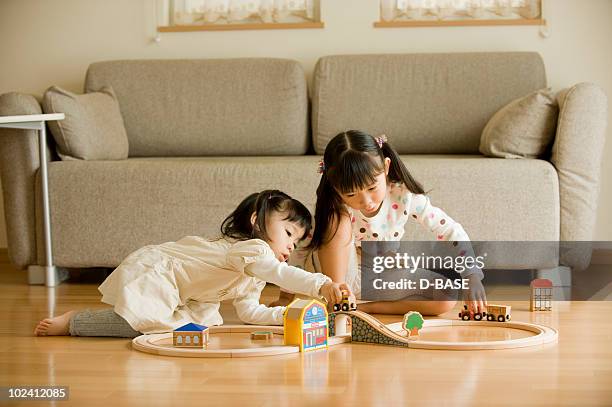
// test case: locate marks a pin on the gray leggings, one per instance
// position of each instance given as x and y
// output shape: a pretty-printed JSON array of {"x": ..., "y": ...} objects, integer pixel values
[{"x": 103, "y": 322}]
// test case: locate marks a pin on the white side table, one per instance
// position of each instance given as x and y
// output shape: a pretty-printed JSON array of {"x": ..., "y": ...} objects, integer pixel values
[{"x": 37, "y": 122}]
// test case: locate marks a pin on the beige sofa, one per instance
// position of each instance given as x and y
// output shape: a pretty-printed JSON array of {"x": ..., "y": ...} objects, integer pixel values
[{"x": 205, "y": 133}]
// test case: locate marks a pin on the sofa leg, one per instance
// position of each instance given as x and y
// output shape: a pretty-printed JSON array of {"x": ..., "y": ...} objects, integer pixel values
[
  {"x": 561, "y": 278},
  {"x": 38, "y": 275}
]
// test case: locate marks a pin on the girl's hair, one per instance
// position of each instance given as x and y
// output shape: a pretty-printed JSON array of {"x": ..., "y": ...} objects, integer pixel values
[
  {"x": 238, "y": 224},
  {"x": 352, "y": 160}
]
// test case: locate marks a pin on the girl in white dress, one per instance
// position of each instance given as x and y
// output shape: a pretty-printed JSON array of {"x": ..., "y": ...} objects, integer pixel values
[
  {"x": 159, "y": 288},
  {"x": 367, "y": 194}
]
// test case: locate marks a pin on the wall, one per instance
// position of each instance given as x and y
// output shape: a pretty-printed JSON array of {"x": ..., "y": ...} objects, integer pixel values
[{"x": 46, "y": 42}]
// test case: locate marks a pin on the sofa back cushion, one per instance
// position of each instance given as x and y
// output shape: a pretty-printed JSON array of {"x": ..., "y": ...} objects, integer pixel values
[
  {"x": 93, "y": 128},
  {"x": 237, "y": 107},
  {"x": 424, "y": 103},
  {"x": 524, "y": 128}
]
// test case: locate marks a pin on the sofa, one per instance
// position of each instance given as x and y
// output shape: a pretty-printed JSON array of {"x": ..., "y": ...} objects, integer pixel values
[{"x": 205, "y": 133}]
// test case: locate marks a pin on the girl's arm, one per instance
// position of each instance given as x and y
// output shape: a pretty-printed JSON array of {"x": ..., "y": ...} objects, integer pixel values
[
  {"x": 294, "y": 279},
  {"x": 443, "y": 226},
  {"x": 334, "y": 254},
  {"x": 250, "y": 311},
  {"x": 298, "y": 258}
]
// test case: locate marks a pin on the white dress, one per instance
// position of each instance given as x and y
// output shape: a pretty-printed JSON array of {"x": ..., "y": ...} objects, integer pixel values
[{"x": 159, "y": 288}]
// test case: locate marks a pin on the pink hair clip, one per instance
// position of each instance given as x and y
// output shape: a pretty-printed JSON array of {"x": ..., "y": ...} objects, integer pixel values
[
  {"x": 321, "y": 167},
  {"x": 382, "y": 139}
]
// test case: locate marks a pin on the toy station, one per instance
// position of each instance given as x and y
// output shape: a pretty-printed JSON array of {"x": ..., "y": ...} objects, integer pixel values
[{"x": 305, "y": 324}]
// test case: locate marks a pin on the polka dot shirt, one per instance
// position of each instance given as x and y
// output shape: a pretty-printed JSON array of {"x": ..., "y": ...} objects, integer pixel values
[{"x": 399, "y": 206}]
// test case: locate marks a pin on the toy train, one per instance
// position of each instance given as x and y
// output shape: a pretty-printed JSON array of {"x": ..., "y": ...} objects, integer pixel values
[
  {"x": 501, "y": 313},
  {"x": 345, "y": 304}
]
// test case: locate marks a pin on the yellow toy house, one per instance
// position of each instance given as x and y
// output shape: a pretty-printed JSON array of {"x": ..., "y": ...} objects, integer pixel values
[{"x": 306, "y": 325}]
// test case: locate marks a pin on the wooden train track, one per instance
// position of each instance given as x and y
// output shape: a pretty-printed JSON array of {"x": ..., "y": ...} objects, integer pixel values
[
  {"x": 368, "y": 329},
  {"x": 365, "y": 328},
  {"x": 161, "y": 344}
]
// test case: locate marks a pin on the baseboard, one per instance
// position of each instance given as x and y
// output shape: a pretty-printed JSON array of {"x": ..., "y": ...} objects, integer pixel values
[{"x": 601, "y": 256}]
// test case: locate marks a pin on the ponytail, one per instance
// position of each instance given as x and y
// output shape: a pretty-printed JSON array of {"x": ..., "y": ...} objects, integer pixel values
[
  {"x": 328, "y": 210},
  {"x": 238, "y": 224},
  {"x": 398, "y": 171}
]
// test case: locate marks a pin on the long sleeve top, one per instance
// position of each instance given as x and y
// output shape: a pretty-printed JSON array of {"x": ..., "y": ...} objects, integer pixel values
[{"x": 159, "y": 288}]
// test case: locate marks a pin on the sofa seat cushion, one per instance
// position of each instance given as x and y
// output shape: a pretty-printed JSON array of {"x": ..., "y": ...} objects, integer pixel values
[{"x": 103, "y": 210}]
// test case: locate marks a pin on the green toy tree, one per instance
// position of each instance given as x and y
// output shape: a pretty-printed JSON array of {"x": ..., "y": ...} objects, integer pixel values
[{"x": 413, "y": 321}]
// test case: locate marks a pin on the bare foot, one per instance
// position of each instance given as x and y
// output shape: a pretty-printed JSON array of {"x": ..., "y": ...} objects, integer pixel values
[{"x": 54, "y": 326}]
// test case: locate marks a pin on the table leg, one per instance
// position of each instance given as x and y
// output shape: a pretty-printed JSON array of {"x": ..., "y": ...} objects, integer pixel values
[{"x": 51, "y": 279}]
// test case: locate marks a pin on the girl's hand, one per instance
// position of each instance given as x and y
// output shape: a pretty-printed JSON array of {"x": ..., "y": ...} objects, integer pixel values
[
  {"x": 332, "y": 292},
  {"x": 475, "y": 298}
]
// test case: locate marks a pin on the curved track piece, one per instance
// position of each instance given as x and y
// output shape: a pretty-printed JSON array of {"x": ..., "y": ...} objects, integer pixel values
[
  {"x": 368, "y": 329},
  {"x": 161, "y": 344}
]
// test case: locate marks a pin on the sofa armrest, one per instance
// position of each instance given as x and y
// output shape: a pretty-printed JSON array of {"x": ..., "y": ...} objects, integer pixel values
[
  {"x": 19, "y": 163},
  {"x": 577, "y": 153}
]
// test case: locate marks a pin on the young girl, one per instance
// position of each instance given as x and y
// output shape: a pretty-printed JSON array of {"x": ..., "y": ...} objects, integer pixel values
[
  {"x": 162, "y": 287},
  {"x": 367, "y": 193}
]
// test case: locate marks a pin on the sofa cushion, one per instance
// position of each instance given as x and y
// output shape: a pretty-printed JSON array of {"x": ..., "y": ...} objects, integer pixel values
[
  {"x": 103, "y": 210},
  {"x": 425, "y": 103},
  {"x": 93, "y": 128},
  {"x": 248, "y": 106},
  {"x": 524, "y": 128}
]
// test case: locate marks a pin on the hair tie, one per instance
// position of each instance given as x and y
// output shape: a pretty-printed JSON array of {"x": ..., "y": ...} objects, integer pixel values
[
  {"x": 321, "y": 167},
  {"x": 380, "y": 140}
]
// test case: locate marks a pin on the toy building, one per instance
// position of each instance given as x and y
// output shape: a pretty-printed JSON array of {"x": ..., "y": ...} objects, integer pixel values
[
  {"x": 306, "y": 325},
  {"x": 190, "y": 336},
  {"x": 541, "y": 295}
]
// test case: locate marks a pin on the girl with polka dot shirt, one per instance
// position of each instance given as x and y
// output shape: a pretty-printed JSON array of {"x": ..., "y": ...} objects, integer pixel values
[{"x": 367, "y": 194}]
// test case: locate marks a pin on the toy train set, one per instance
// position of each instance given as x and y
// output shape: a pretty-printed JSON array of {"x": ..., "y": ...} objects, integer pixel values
[
  {"x": 499, "y": 313},
  {"x": 308, "y": 326}
]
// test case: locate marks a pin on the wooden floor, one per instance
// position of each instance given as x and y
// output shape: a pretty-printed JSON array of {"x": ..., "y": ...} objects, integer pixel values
[{"x": 577, "y": 371}]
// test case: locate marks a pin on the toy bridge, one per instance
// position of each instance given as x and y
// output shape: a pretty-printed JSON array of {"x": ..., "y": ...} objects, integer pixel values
[{"x": 366, "y": 328}]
